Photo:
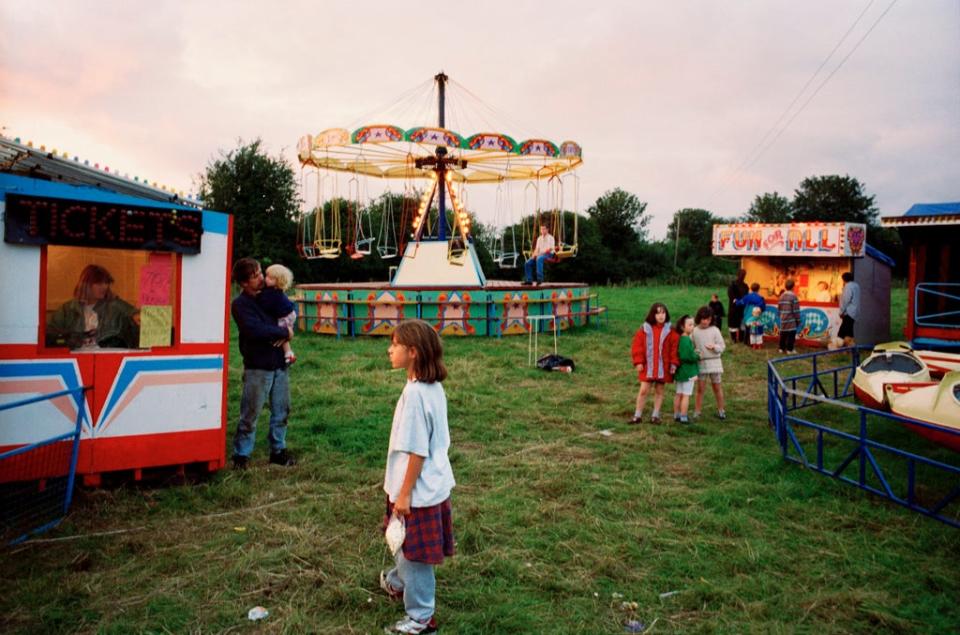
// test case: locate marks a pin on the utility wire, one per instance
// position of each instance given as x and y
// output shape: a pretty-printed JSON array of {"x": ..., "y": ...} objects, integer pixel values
[{"x": 763, "y": 145}]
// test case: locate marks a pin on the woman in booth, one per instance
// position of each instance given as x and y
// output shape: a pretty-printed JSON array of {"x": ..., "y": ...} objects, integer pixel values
[{"x": 95, "y": 317}]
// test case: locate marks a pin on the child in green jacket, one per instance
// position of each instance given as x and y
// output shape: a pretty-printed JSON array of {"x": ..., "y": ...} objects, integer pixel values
[{"x": 687, "y": 371}]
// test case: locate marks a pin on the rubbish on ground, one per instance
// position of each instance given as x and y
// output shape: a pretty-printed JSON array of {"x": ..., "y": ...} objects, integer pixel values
[
  {"x": 257, "y": 613},
  {"x": 634, "y": 626}
]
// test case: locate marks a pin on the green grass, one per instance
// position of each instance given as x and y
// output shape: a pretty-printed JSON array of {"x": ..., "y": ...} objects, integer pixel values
[{"x": 552, "y": 518}]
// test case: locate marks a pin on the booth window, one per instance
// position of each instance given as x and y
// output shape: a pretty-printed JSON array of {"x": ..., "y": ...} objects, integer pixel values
[{"x": 109, "y": 298}]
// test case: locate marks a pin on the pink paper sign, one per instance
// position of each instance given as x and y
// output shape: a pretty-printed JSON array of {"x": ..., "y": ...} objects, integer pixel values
[{"x": 155, "y": 280}]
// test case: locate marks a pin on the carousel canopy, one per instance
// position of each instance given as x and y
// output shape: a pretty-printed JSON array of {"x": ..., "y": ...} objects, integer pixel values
[{"x": 388, "y": 151}]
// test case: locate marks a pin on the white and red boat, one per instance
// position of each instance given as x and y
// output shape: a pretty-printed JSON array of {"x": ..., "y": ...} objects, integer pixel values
[
  {"x": 892, "y": 362},
  {"x": 936, "y": 404}
]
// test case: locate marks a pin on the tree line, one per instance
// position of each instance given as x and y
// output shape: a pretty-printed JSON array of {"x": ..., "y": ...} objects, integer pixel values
[{"x": 614, "y": 246}]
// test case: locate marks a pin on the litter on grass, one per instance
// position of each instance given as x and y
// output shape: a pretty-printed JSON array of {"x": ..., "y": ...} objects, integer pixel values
[{"x": 257, "y": 613}]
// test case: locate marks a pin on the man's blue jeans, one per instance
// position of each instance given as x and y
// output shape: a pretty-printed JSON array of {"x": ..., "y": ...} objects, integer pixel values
[
  {"x": 258, "y": 385},
  {"x": 528, "y": 267}
]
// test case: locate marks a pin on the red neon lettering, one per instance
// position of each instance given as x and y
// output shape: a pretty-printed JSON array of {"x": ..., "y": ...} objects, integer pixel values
[
  {"x": 825, "y": 241},
  {"x": 65, "y": 221},
  {"x": 102, "y": 224}
]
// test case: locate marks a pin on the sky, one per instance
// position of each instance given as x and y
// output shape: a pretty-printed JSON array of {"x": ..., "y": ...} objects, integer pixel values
[{"x": 683, "y": 103}]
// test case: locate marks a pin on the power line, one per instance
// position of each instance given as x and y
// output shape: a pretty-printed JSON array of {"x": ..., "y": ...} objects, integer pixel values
[
  {"x": 763, "y": 145},
  {"x": 796, "y": 97},
  {"x": 823, "y": 83}
]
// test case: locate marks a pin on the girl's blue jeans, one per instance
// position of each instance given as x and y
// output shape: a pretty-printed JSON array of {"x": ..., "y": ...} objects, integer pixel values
[{"x": 419, "y": 586}]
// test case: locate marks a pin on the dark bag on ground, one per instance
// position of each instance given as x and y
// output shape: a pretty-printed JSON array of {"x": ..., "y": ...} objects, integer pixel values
[{"x": 555, "y": 362}]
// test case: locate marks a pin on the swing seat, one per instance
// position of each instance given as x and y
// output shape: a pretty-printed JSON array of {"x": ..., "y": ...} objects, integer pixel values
[
  {"x": 387, "y": 252},
  {"x": 507, "y": 260},
  {"x": 564, "y": 252},
  {"x": 364, "y": 247},
  {"x": 456, "y": 252},
  {"x": 327, "y": 248}
]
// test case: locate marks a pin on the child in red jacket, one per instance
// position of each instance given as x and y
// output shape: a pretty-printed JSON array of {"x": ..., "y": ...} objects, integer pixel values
[{"x": 654, "y": 354}]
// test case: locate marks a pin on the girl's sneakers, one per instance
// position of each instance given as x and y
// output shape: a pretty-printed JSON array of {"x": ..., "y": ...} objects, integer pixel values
[
  {"x": 635, "y": 419},
  {"x": 721, "y": 415},
  {"x": 410, "y": 625}
]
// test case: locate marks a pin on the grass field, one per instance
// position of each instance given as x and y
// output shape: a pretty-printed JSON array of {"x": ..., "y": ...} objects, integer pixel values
[{"x": 705, "y": 527}]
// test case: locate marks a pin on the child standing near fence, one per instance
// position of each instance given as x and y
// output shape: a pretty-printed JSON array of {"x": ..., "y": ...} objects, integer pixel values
[
  {"x": 708, "y": 340},
  {"x": 418, "y": 478},
  {"x": 273, "y": 299},
  {"x": 754, "y": 328},
  {"x": 654, "y": 358},
  {"x": 716, "y": 308},
  {"x": 686, "y": 377}
]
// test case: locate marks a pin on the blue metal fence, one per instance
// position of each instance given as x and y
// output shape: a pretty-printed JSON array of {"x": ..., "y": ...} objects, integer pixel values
[
  {"x": 817, "y": 424},
  {"x": 39, "y": 477}
]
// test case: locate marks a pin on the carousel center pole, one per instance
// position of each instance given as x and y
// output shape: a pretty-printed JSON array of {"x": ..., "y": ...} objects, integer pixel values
[{"x": 441, "y": 152}]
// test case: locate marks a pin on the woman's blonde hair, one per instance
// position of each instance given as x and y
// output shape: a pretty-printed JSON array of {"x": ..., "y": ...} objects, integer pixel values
[
  {"x": 282, "y": 275},
  {"x": 420, "y": 336},
  {"x": 91, "y": 275}
]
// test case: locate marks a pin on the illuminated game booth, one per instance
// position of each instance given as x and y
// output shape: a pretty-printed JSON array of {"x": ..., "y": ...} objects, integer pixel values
[
  {"x": 116, "y": 285},
  {"x": 815, "y": 256}
]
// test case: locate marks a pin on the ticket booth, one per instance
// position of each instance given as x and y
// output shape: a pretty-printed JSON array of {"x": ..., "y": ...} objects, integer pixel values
[
  {"x": 125, "y": 294},
  {"x": 815, "y": 256},
  {"x": 931, "y": 235}
]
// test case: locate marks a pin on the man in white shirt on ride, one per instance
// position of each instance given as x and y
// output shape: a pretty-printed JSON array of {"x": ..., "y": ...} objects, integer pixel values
[{"x": 541, "y": 252}]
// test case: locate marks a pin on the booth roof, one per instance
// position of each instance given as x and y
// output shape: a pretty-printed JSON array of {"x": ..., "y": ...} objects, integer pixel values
[
  {"x": 21, "y": 160},
  {"x": 934, "y": 209},
  {"x": 926, "y": 215},
  {"x": 876, "y": 254}
]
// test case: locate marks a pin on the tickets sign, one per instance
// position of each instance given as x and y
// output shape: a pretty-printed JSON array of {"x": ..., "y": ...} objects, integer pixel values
[
  {"x": 790, "y": 239},
  {"x": 39, "y": 220}
]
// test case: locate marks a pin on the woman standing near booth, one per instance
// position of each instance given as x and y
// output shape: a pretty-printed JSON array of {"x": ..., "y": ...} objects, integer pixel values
[
  {"x": 737, "y": 289},
  {"x": 95, "y": 317}
]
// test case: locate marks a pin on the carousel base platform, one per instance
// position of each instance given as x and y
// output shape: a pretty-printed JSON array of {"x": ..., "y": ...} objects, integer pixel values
[{"x": 498, "y": 308}]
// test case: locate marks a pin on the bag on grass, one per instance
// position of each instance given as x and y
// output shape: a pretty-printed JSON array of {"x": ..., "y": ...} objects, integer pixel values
[{"x": 556, "y": 362}]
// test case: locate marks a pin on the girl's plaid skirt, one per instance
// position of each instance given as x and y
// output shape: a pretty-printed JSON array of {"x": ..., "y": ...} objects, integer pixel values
[{"x": 429, "y": 532}]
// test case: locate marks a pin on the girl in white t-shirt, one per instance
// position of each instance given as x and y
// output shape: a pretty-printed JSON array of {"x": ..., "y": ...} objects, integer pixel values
[{"x": 418, "y": 477}]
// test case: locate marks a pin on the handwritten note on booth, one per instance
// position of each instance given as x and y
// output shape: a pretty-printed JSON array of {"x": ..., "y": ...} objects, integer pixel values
[
  {"x": 155, "y": 325},
  {"x": 155, "y": 281}
]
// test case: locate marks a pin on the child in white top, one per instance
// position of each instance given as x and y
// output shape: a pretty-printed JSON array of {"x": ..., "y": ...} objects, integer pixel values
[
  {"x": 418, "y": 477},
  {"x": 708, "y": 341}
]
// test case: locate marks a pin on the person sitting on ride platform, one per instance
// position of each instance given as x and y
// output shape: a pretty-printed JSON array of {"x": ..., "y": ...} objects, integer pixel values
[{"x": 541, "y": 253}]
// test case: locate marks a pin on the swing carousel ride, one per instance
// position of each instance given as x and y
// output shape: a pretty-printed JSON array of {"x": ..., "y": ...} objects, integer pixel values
[{"x": 437, "y": 276}]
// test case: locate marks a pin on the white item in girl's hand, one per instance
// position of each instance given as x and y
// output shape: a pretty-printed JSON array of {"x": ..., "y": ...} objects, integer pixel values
[{"x": 395, "y": 534}]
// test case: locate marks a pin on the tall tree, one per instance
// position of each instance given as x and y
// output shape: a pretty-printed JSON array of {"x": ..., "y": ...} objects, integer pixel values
[
  {"x": 260, "y": 192},
  {"x": 770, "y": 208},
  {"x": 695, "y": 228},
  {"x": 620, "y": 218},
  {"x": 833, "y": 198}
]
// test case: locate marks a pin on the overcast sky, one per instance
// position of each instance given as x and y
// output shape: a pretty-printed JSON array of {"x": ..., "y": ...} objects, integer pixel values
[{"x": 670, "y": 100}]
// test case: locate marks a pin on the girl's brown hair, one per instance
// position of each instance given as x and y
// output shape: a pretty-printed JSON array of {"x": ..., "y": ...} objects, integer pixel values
[
  {"x": 420, "y": 336},
  {"x": 652, "y": 314},
  {"x": 678, "y": 327},
  {"x": 91, "y": 275}
]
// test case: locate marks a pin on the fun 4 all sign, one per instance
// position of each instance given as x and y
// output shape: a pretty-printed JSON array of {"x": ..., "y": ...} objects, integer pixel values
[{"x": 790, "y": 239}]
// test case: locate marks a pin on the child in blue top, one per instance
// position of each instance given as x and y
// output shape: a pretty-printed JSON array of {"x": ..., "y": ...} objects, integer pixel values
[
  {"x": 749, "y": 302},
  {"x": 418, "y": 477},
  {"x": 274, "y": 301}
]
